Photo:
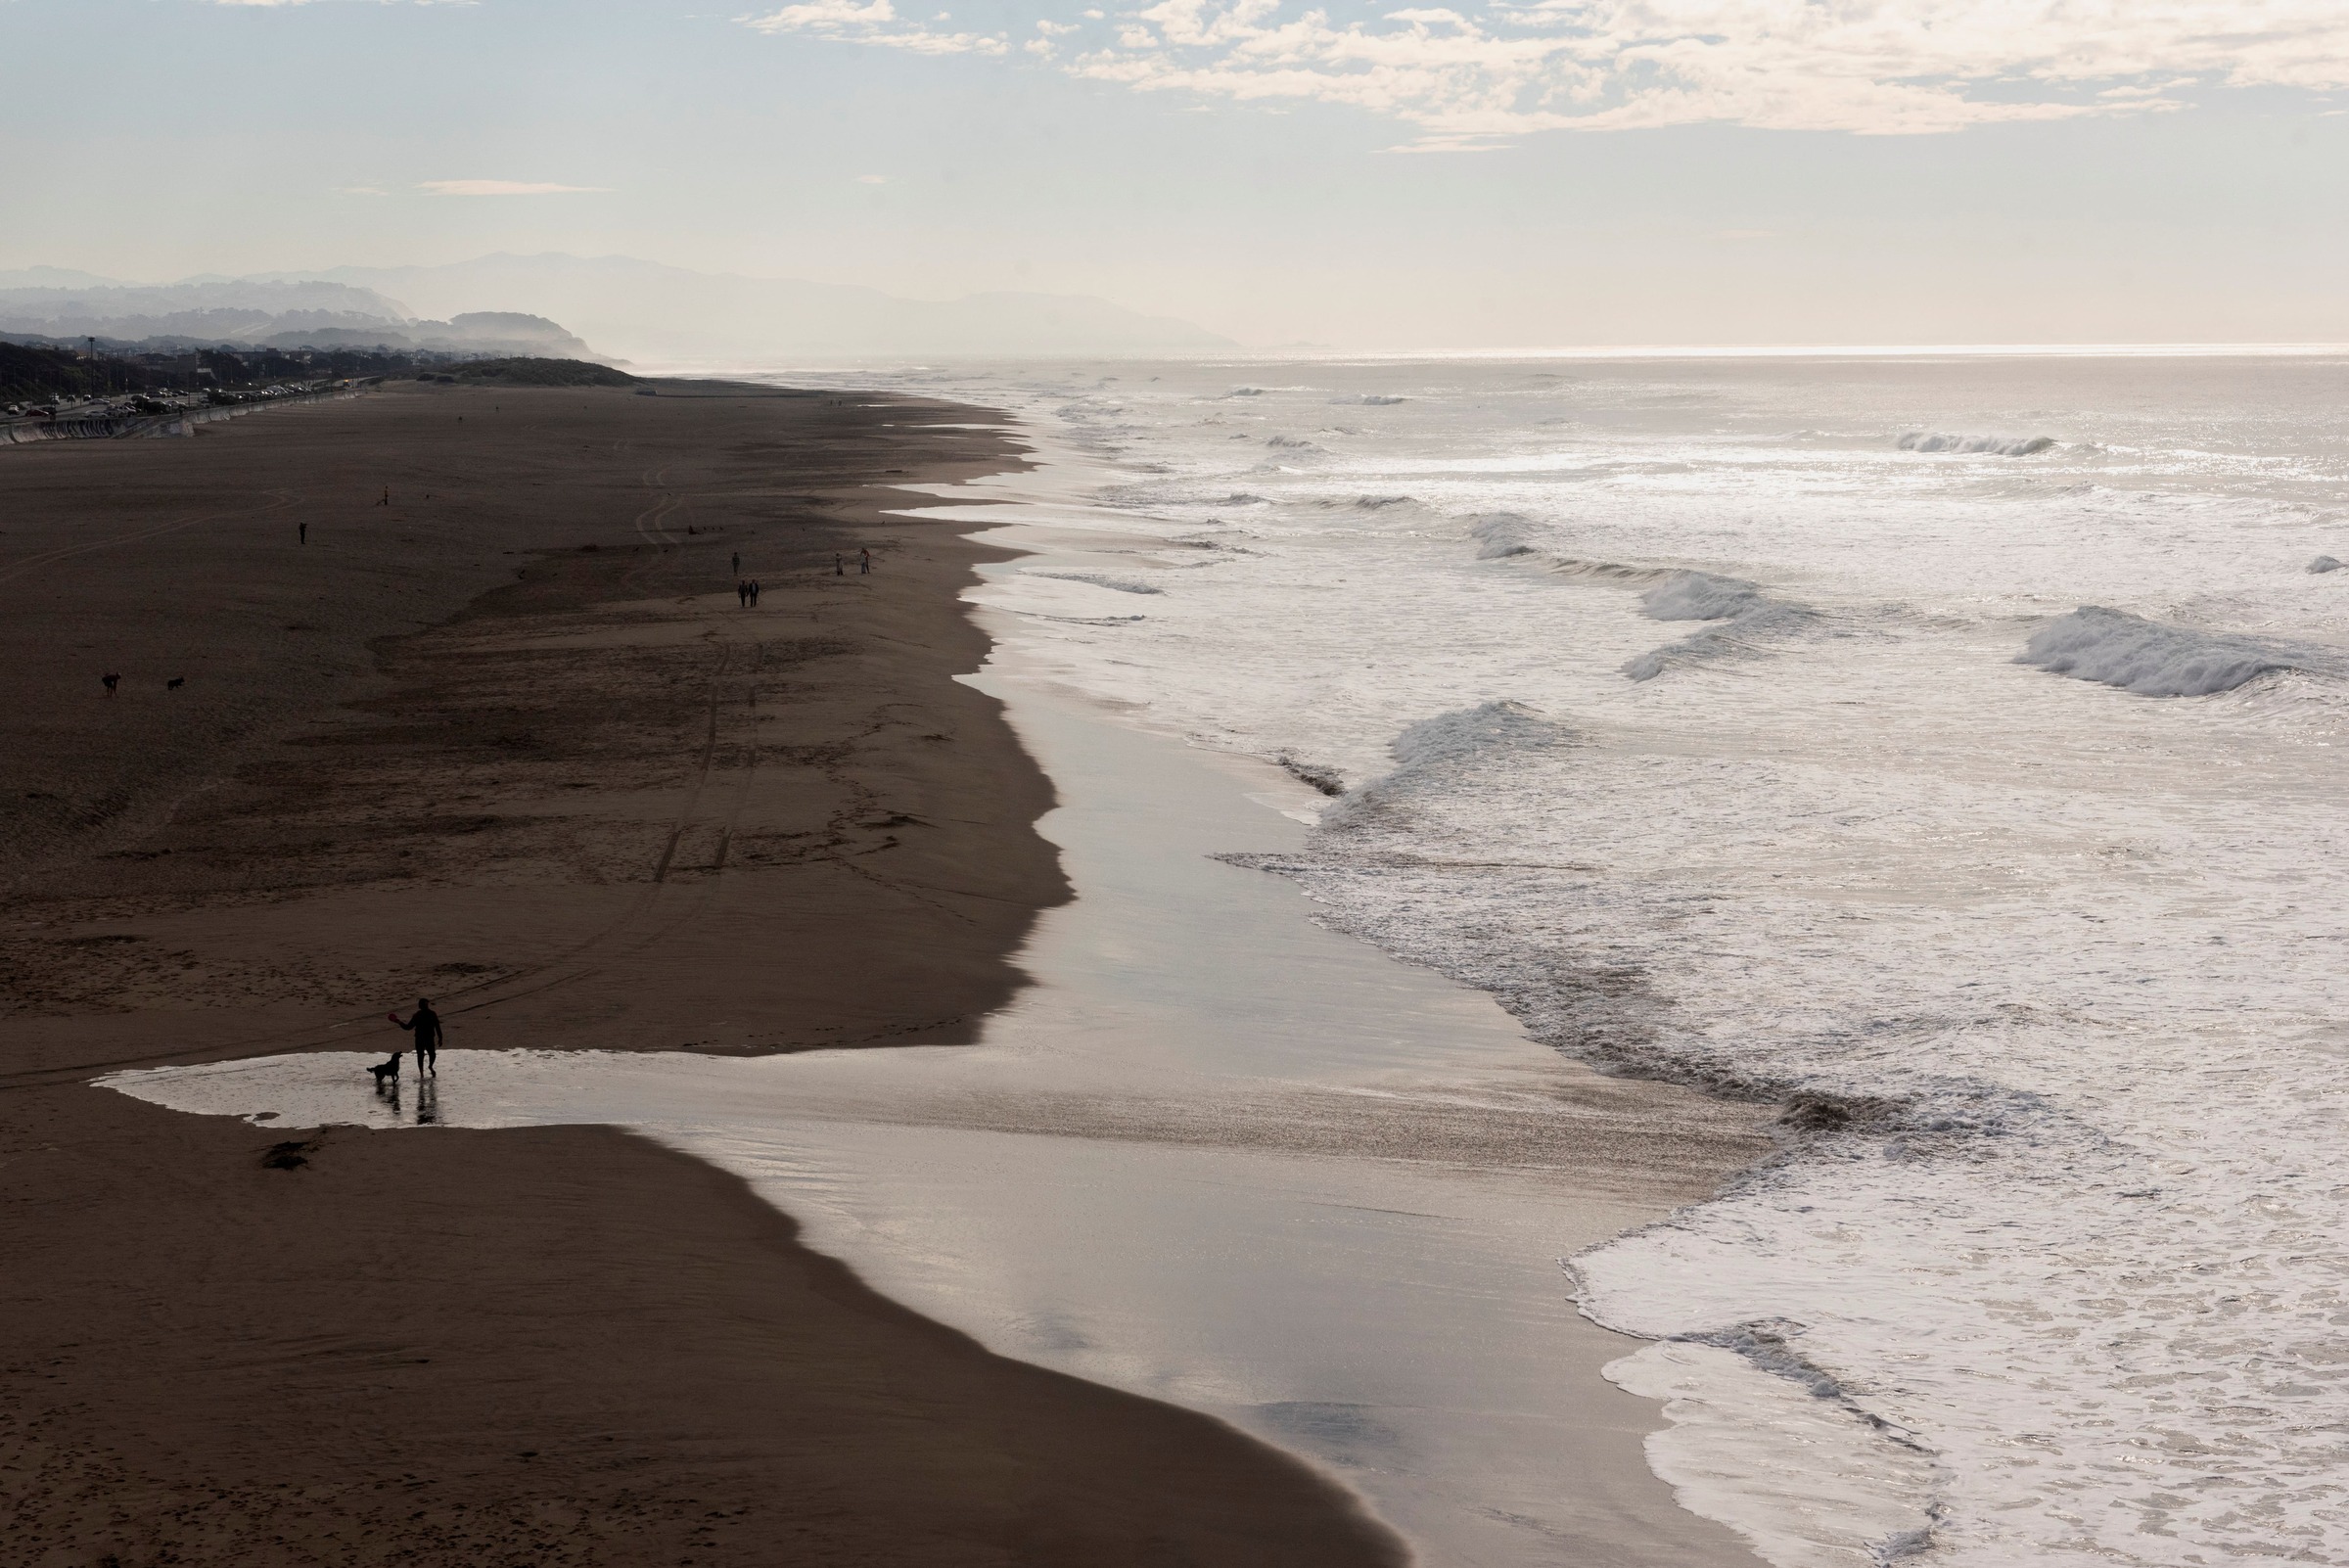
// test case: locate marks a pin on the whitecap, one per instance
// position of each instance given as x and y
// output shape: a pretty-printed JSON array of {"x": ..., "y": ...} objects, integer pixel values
[
  {"x": 2146, "y": 657},
  {"x": 1925, "y": 440},
  {"x": 1099, "y": 581}
]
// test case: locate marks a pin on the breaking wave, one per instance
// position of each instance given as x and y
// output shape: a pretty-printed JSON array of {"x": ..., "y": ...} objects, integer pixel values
[
  {"x": 1468, "y": 733},
  {"x": 1701, "y": 596},
  {"x": 1499, "y": 535},
  {"x": 2146, "y": 657},
  {"x": 1118, "y": 585},
  {"x": 2323, "y": 562},
  {"x": 1933, "y": 440},
  {"x": 1743, "y": 613}
]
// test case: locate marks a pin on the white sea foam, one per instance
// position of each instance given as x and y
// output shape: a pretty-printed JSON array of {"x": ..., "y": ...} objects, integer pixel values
[
  {"x": 2145, "y": 657},
  {"x": 1995, "y": 445},
  {"x": 2054, "y": 1273}
]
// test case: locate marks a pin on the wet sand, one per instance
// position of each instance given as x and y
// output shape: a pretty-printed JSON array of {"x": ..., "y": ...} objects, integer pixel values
[{"x": 511, "y": 741}]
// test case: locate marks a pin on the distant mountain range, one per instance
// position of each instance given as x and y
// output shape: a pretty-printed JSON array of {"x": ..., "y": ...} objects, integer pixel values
[
  {"x": 49, "y": 302},
  {"x": 631, "y": 309}
]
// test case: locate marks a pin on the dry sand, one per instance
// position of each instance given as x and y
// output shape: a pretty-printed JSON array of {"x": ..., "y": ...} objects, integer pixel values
[{"x": 511, "y": 742}]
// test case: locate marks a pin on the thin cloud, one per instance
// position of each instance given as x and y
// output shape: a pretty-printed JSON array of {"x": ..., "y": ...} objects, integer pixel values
[
  {"x": 504, "y": 188},
  {"x": 1480, "y": 78},
  {"x": 875, "y": 23}
]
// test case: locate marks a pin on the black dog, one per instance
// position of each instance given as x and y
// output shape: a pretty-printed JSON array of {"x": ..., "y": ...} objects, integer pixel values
[
  {"x": 389, "y": 1069},
  {"x": 175, "y": 682}
]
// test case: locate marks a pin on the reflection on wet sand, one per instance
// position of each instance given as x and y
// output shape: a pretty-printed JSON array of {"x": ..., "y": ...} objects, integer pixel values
[{"x": 1216, "y": 1155}]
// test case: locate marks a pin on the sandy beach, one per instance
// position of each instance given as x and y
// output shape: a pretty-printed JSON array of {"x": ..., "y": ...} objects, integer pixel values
[{"x": 512, "y": 742}]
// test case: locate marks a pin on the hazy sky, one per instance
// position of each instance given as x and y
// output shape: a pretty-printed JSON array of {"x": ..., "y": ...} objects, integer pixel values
[{"x": 1550, "y": 172}]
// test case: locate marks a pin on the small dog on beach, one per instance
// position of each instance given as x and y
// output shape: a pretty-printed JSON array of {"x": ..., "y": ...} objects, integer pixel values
[{"x": 389, "y": 1069}]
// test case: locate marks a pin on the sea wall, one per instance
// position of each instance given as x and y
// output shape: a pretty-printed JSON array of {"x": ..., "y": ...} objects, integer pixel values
[{"x": 120, "y": 427}]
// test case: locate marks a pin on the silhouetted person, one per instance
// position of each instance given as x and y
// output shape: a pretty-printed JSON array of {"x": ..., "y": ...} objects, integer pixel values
[
  {"x": 864, "y": 562},
  {"x": 738, "y": 563},
  {"x": 838, "y": 570},
  {"x": 754, "y": 593},
  {"x": 742, "y": 591},
  {"x": 426, "y": 1026},
  {"x": 387, "y": 500},
  {"x": 302, "y": 531},
  {"x": 109, "y": 680}
]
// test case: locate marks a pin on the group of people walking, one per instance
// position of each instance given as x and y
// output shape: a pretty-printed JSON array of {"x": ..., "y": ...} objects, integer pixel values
[{"x": 747, "y": 590}]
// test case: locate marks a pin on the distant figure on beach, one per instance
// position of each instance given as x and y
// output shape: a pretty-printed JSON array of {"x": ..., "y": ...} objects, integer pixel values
[
  {"x": 754, "y": 593},
  {"x": 742, "y": 591},
  {"x": 864, "y": 562},
  {"x": 109, "y": 680},
  {"x": 838, "y": 570},
  {"x": 302, "y": 531},
  {"x": 426, "y": 1026},
  {"x": 738, "y": 563},
  {"x": 387, "y": 500}
]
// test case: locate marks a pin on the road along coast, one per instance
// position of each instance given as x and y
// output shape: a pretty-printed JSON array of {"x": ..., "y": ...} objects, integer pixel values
[{"x": 499, "y": 730}]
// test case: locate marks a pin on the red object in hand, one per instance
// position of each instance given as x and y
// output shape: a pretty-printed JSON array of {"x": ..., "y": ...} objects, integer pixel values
[{"x": 395, "y": 1017}]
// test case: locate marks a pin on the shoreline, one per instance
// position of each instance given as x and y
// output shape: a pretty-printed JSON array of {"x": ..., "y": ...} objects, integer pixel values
[
  {"x": 1109, "y": 1086},
  {"x": 544, "y": 804}
]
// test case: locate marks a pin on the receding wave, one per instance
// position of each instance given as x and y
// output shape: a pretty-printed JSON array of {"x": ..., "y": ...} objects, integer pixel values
[
  {"x": 1934, "y": 441},
  {"x": 1371, "y": 400},
  {"x": 2146, "y": 657}
]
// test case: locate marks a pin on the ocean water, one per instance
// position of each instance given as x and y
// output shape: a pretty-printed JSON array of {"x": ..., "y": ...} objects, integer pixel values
[{"x": 1953, "y": 746}]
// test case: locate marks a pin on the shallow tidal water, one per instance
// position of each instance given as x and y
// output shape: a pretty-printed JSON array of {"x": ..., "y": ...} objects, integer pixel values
[{"x": 1217, "y": 1155}]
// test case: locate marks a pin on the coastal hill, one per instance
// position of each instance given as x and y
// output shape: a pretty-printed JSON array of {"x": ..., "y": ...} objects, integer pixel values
[
  {"x": 644, "y": 311},
  {"x": 49, "y": 304}
]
